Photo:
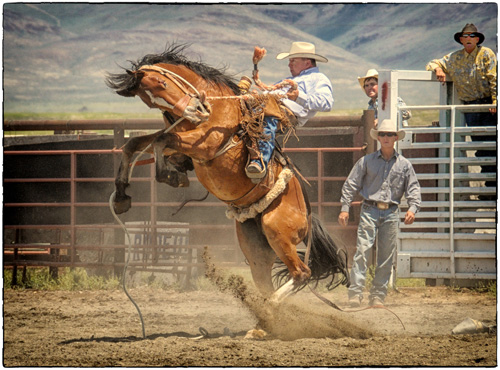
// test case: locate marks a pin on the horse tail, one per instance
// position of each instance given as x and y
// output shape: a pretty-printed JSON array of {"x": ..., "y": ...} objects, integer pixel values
[{"x": 326, "y": 259}]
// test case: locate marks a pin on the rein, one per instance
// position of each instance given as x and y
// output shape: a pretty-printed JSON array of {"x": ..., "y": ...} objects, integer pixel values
[{"x": 180, "y": 82}]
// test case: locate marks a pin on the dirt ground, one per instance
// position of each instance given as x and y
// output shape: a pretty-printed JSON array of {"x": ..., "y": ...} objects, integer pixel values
[{"x": 208, "y": 328}]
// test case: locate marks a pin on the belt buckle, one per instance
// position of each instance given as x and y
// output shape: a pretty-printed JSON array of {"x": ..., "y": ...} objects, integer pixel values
[{"x": 383, "y": 206}]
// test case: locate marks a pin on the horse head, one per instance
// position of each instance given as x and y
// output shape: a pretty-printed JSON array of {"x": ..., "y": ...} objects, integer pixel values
[
  {"x": 168, "y": 91},
  {"x": 161, "y": 81}
]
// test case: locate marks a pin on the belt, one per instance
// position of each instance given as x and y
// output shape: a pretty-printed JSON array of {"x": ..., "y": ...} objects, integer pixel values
[
  {"x": 487, "y": 100},
  {"x": 379, "y": 205}
]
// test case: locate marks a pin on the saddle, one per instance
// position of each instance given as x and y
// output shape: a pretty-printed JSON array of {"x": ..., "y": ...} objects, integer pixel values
[
  {"x": 257, "y": 106},
  {"x": 254, "y": 108}
]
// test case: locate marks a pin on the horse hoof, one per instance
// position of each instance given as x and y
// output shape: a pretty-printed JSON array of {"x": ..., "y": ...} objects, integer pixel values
[
  {"x": 183, "y": 180},
  {"x": 173, "y": 178},
  {"x": 257, "y": 334},
  {"x": 122, "y": 205},
  {"x": 283, "y": 292}
]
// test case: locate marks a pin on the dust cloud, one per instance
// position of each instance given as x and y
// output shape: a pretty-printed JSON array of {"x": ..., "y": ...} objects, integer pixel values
[{"x": 291, "y": 319}]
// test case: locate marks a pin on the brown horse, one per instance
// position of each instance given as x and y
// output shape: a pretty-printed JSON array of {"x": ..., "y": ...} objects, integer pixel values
[{"x": 202, "y": 109}]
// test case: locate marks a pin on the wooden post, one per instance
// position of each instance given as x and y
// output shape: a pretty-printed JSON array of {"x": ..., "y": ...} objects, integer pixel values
[
  {"x": 14, "y": 269},
  {"x": 54, "y": 256},
  {"x": 16, "y": 253},
  {"x": 367, "y": 120}
]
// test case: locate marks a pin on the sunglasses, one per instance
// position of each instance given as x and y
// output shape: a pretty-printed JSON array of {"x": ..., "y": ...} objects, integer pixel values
[
  {"x": 388, "y": 134},
  {"x": 469, "y": 35}
]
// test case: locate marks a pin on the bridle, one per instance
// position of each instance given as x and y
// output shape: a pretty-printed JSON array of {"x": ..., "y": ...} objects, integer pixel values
[
  {"x": 185, "y": 86},
  {"x": 202, "y": 106}
]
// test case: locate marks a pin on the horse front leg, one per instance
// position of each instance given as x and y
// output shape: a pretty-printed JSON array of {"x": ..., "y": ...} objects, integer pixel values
[
  {"x": 171, "y": 169},
  {"x": 122, "y": 202}
]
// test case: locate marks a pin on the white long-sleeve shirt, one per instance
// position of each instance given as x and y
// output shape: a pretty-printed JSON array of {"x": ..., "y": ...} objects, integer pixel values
[{"x": 315, "y": 95}]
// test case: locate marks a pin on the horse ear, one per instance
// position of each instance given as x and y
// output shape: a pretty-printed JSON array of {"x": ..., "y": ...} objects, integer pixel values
[
  {"x": 203, "y": 95},
  {"x": 129, "y": 71}
]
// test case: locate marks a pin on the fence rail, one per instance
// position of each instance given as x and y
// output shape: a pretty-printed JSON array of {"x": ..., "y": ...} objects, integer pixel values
[{"x": 68, "y": 247}]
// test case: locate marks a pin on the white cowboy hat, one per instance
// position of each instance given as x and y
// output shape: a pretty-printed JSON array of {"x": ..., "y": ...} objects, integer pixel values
[
  {"x": 302, "y": 50},
  {"x": 386, "y": 126},
  {"x": 372, "y": 73}
]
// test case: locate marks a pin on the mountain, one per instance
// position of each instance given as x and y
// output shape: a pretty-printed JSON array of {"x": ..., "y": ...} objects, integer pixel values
[
  {"x": 55, "y": 55},
  {"x": 394, "y": 36}
]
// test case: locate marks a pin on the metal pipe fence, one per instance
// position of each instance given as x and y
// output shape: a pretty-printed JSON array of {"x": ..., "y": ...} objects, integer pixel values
[{"x": 69, "y": 246}]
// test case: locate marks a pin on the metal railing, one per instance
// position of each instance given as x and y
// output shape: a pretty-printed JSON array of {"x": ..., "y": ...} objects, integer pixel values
[
  {"x": 454, "y": 236},
  {"x": 67, "y": 251}
]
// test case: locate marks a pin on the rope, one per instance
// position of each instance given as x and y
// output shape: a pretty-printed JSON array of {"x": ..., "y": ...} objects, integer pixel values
[
  {"x": 378, "y": 306},
  {"x": 331, "y": 304},
  {"x": 111, "y": 199},
  {"x": 242, "y": 97},
  {"x": 243, "y": 214},
  {"x": 190, "y": 200}
]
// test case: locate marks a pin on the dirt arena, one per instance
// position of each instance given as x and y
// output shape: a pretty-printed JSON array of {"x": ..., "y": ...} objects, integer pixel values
[{"x": 103, "y": 328}]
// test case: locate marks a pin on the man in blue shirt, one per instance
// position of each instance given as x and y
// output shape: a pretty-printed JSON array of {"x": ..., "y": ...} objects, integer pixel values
[
  {"x": 369, "y": 84},
  {"x": 382, "y": 178},
  {"x": 313, "y": 94}
]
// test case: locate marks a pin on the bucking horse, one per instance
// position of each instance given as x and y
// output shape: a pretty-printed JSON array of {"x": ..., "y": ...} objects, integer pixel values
[{"x": 207, "y": 116}]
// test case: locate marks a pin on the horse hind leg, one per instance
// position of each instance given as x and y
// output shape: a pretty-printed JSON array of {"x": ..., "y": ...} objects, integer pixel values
[
  {"x": 285, "y": 225},
  {"x": 259, "y": 254}
]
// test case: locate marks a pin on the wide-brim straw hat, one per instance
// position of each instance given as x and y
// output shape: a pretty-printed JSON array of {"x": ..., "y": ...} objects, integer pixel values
[
  {"x": 386, "y": 126},
  {"x": 470, "y": 28},
  {"x": 371, "y": 73},
  {"x": 302, "y": 49}
]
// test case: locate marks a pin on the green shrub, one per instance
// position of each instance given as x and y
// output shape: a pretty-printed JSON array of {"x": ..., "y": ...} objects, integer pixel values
[{"x": 68, "y": 279}]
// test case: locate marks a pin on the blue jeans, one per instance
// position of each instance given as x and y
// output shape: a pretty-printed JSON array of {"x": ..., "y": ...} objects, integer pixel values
[
  {"x": 475, "y": 119},
  {"x": 372, "y": 221},
  {"x": 266, "y": 147}
]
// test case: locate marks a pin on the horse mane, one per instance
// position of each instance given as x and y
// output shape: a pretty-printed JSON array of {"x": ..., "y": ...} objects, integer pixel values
[{"x": 125, "y": 83}]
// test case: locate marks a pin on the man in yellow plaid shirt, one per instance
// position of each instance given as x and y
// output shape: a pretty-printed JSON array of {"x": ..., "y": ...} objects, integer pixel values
[{"x": 473, "y": 70}]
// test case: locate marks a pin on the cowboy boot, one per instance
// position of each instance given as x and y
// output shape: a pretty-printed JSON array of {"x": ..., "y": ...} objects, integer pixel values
[
  {"x": 262, "y": 150},
  {"x": 256, "y": 168}
]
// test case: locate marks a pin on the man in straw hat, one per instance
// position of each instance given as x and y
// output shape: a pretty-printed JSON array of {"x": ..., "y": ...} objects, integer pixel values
[
  {"x": 314, "y": 94},
  {"x": 369, "y": 84},
  {"x": 382, "y": 178},
  {"x": 473, "y": 72}
]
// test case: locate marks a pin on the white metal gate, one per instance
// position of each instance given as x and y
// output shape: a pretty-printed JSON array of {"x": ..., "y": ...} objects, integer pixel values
[{"x": 454, "y": 235}]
